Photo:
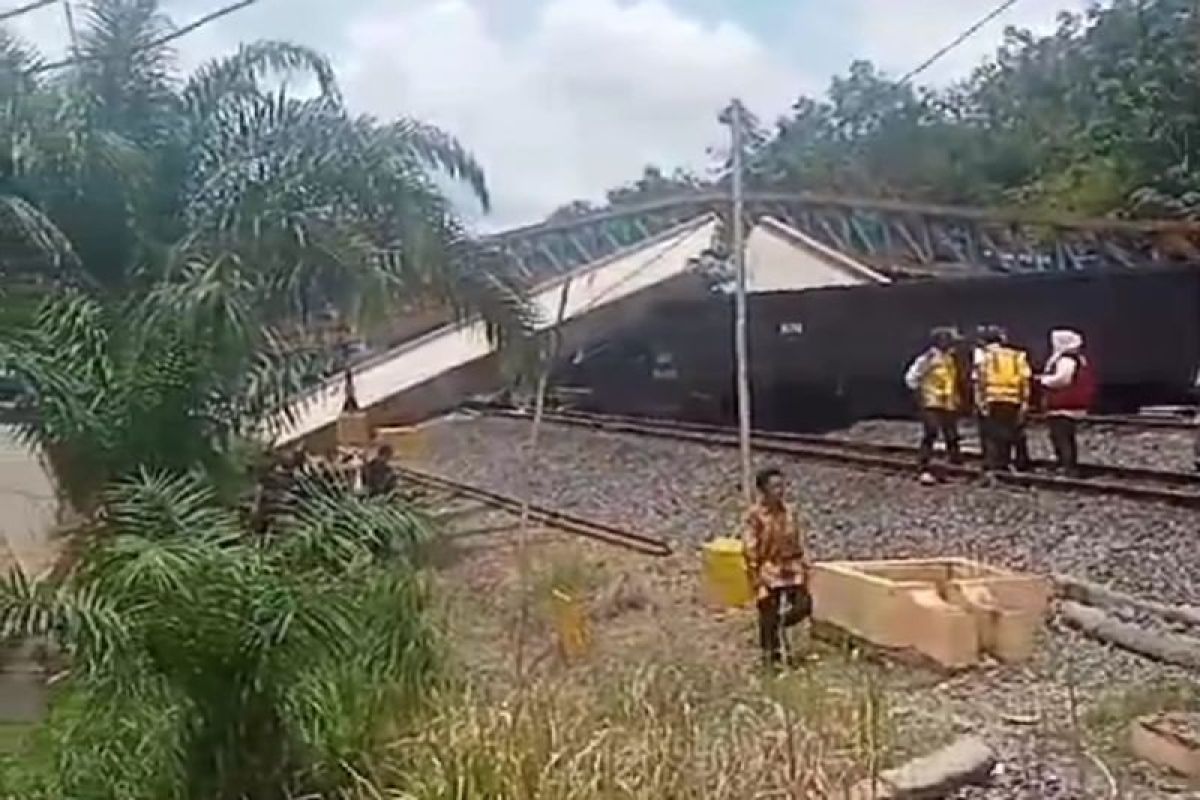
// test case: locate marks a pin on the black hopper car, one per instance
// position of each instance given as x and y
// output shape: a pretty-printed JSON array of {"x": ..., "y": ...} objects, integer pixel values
[{"x": 827, "y": 357}]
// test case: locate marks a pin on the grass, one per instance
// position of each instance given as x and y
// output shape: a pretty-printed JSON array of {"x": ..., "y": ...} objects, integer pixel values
[
  {"x": 668, "y": 704},
  {"x": 646, "y": 731},
  {"x": 1106, "y": 724},
  {"x": 11, "y": 735}
]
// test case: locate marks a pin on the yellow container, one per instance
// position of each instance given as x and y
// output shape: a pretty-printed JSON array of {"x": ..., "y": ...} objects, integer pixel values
[
  {"x": 407, "y": 443},
  {"x": 574, "y": 635},
  {"x": 726, "y": 582},
  {"x": 353, "y": 429}
]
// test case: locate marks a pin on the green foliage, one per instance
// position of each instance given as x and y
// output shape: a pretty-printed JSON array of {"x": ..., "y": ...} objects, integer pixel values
[
  {"x": 1101, "y": 116},
  {"x": 206, "y": 664},
  {"x": 121, "y": 174},
  {"x": 158, "y": 385}
]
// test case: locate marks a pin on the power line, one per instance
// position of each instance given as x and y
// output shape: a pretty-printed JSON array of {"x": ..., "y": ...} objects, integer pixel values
[
  {"x": 25, "y": 9},
  {"x": 160, "y": 41},
  {"x": 958, "y": 40}
]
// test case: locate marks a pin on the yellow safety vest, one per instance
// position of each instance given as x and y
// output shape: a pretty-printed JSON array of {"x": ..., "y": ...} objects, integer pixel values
[
  {"x": 1005, "y": 376},
  {"x": 939, "y": 384}
]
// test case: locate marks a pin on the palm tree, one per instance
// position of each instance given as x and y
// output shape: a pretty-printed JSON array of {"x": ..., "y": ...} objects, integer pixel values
[
  {"x": 221, "y": 214},
  {"x": 124, "y": 174},
  {"x": 185, "y": 224},
  {"x": 203, "y": 664},
  {"x": 165, "y": 383}
]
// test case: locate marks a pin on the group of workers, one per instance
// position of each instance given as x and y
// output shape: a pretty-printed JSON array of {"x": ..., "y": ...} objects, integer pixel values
[
  {"x": 992, "y": 379},
  {"x": 295, "y": 473}
]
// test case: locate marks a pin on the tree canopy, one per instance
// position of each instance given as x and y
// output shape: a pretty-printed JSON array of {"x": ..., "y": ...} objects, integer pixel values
[
  {"x": 1100, "y": 117},
  {"x": 120, "y": 173}
]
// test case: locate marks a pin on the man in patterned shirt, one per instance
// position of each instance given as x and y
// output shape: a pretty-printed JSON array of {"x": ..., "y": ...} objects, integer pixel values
[{"x": 778, "y": 562}]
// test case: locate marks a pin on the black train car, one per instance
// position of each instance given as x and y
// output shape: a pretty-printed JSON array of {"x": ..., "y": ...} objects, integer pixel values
[
  {"x": 829, "y": 356},
  {"x": 675, "y": 364}
]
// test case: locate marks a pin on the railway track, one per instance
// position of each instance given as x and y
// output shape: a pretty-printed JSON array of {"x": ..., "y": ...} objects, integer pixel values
[
  {"x": 1148, "y": 421},
  {"x": 1177, "y": 488},
  {"x": 580, "y": 526}
]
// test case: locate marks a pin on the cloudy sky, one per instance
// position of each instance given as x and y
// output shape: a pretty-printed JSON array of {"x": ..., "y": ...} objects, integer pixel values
[{"x": 561, "y": 99}]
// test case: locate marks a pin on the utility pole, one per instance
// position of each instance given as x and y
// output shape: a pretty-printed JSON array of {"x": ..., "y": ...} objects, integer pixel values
[{"x": 735, "y": 117}]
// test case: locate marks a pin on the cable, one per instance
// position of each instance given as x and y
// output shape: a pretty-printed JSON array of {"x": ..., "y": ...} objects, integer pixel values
[
  {"x": 160, "y": 41},
  {"x": 25, "y": 9},
  {"x": 958, "y": 40}
]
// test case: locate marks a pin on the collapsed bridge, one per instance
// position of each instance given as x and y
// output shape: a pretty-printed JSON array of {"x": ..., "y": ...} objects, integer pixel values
[{"x": 624, "y": 268}]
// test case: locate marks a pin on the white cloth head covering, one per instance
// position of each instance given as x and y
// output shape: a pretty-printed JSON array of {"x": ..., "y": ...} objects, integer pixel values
[{"x": 1063, "y": 340}]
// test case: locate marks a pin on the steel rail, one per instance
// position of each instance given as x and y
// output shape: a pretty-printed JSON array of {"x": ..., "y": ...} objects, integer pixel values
[
  {"x": 1163, "y": 421},
  {"x": 562, "y": 520},
  {"x": 1130, "y": 482}
]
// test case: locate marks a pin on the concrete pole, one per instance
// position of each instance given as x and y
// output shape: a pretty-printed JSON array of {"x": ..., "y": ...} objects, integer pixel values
[{"x": 735, "y": 116}]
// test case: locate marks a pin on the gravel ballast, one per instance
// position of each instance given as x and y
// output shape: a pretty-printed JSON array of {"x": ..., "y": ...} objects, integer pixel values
[
  {"x": 1118, "y": 445},
  {"x": 688, "y": 493}
]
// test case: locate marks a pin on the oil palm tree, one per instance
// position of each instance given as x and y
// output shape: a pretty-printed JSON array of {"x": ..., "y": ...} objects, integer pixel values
[
  {"x": 127, "y": 174},
  {"x": 115, "y": 388},
  {"x": 206, "y": 664}
]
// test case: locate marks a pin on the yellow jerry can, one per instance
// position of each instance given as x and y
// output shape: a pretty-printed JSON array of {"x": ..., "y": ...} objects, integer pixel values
[
  {"x": 408, "y": 443},
  {"x": 726, "y": 583},
  {"x": 570, "y": 621}
]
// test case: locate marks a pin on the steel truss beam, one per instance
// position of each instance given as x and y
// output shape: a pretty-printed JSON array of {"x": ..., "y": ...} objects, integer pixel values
[{"x": 894, "y": 237}]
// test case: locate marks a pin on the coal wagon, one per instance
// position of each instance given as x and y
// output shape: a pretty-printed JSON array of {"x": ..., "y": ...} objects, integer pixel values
[{"x": 840, "y": 353}]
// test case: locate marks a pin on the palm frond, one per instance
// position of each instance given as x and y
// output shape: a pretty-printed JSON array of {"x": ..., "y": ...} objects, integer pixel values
[
  {"x": 335, "y": 530},
  {"x": 77, "y": 619},
  {"x": 22, "y": 223},
  {"x": 444, "y": 152},
  {"x": 221, "y": 80},
  {"x": 155, "y": 506},
  {"x": 18, "y": 62}
]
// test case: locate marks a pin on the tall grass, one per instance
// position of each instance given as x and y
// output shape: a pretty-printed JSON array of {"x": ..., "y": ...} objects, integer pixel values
[{"x": 645, "y": 732}]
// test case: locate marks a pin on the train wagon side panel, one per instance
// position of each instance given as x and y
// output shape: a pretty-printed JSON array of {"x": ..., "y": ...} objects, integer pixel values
[{"x": 847, "y": 348}]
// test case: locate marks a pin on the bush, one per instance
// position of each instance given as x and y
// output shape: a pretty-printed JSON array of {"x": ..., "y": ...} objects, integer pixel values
[{"x": 204, "y": 663}]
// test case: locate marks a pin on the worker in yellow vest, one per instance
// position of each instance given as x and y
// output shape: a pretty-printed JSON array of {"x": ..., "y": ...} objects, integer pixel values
[
  {"x": 1002, "y": 381},
  {"x": 934, "y": 377}
]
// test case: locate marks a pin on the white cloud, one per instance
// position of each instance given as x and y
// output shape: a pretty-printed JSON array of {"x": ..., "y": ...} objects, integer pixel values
[
  {"x": 899, "y": 40},
  {"x": 563, "y": 99},
  {"x": 582, "y": 100}
]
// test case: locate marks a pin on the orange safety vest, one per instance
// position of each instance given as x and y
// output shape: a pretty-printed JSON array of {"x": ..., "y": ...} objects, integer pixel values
[
  {"x": 1004, "y": 376},
  {"x": 939, "y": 383}
]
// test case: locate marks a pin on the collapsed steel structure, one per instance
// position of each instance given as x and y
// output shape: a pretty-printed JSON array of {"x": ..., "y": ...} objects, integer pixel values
[{"x": 898, "y": 238}]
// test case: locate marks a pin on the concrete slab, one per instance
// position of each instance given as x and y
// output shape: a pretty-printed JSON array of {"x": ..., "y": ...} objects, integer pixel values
[
  {"x": 1171, "y": 741},
  {"x": 28, "y": 508},
  {"x": 458, "y": 360},
  {"x": 950, "y": 610},
  {"x": 24, "y": 694}
]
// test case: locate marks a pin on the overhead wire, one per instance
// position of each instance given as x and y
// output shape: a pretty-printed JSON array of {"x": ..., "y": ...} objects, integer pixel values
[
  {"x": 25, "y": 9},
  {"x": 941, "y": 53},
  {"x": 958, "y": 41},
  {"x": 192, "y": 26}
]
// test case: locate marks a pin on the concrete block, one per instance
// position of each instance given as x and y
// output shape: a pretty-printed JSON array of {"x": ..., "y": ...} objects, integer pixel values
[
  {"x": 1170, "y": 741},
  {"x": 965, "y": 762},
  {"x": 950, "y": 610},
  {"x": 24, "y": 695}
]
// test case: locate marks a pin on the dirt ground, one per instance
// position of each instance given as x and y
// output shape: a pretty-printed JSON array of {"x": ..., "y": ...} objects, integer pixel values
[{"x": 1058, "y": 723}]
